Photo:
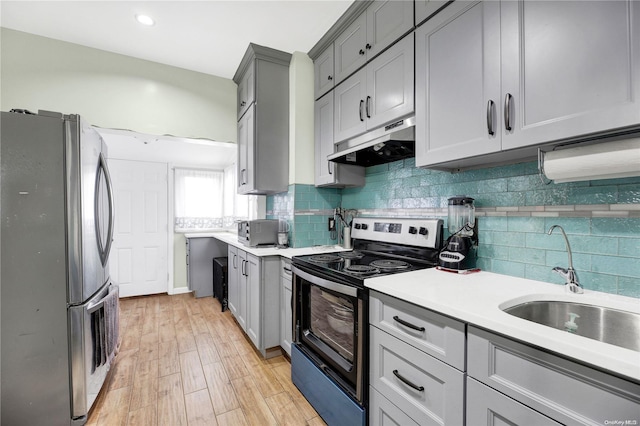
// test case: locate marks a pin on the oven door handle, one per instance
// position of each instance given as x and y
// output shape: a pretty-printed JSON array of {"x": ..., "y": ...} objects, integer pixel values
[{"x": 329, "y": 285}]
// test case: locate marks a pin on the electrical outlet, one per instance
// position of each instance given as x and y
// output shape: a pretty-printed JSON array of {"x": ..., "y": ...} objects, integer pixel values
[{"x": 332, "y": 224}]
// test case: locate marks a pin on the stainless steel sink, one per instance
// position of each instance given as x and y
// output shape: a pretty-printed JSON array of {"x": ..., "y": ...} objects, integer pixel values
[{"x": 620, "y": 328}]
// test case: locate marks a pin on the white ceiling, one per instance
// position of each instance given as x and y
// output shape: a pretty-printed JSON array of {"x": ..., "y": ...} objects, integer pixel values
[{"x": 205, "y": 36}]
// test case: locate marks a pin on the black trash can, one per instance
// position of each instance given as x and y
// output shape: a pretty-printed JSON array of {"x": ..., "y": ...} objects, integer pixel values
[{"x": 220, "y": 280}]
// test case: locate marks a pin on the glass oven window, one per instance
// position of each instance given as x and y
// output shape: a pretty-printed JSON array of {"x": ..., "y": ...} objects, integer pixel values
[{"x": 333, "y": 321}]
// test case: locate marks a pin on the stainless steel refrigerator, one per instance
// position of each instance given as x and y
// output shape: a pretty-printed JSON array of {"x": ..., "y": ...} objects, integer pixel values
[{"x": 59, "y": 309}]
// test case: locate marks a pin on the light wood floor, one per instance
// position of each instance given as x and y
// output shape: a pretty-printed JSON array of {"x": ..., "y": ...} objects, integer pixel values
[{"x": 183, "y": 362}]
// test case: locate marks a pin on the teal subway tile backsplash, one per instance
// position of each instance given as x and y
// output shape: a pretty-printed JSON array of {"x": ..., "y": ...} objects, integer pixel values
[{"x": 515, "y": 210}]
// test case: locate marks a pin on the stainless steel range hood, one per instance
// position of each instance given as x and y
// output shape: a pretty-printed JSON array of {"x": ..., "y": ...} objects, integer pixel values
[{"x": 393, "y": 142}]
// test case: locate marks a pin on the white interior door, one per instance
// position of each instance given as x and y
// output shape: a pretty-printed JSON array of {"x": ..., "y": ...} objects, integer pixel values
[{"x": 138, "y": 261}]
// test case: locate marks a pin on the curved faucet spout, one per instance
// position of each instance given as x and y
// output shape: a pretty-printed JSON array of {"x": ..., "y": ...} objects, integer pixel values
[
  {"x": 566, "y": 240},
  {"x": 572, "y": 284}
]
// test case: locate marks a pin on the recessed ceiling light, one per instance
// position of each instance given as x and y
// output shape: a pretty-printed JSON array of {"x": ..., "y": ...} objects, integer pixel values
[{"x": 145, "y": 20}]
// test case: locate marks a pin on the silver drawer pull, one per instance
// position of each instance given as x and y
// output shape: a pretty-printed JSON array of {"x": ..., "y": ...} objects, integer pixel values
[
  {"x": 408, "y": 324},
  {"x": 408, "y": 382}
]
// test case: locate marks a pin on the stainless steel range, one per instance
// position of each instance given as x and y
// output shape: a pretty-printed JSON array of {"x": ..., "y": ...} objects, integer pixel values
[{"x": 329, "y": 361}]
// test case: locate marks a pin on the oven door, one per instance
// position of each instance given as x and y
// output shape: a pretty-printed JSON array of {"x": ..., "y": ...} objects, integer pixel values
[{"x": 329, "y": 320}]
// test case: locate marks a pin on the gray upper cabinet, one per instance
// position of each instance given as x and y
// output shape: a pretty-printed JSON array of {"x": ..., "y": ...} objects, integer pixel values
[
  {"x": 489, "y": 82},
  {"x": 426, "y": 8},
  {"x": 377, "y": 94},
  {"x": 582, "y": 77},
  {"x": 263, "y": 127},
  {"x": 323, "y": 72},
  {"x": 459, "y": 50},
  {"x": 328, "y": 173},
  {"x": 379, "y": 26},
  {"x": 246, "y": 90}
]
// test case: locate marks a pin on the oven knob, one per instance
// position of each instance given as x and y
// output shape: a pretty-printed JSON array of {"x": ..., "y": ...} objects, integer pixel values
[
  {"x": 365, "y": 226},
  {"x": 357, "y": 226},
  {"x": 413, "y": 230},
  {"x": 424, "y": 231}
]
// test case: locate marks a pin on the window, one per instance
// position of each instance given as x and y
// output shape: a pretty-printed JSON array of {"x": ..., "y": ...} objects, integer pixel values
[{"x": 207, "y": 199}]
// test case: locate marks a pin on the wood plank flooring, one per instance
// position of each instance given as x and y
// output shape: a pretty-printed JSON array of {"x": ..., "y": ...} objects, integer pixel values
[{"x": 184, "y": 362}]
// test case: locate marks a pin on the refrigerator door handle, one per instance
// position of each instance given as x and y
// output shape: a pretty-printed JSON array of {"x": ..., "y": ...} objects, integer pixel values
[{"x": 104, "y": 247}]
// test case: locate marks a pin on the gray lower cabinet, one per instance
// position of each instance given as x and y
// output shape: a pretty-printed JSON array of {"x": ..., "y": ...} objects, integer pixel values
[
  {"x": 263, "y": 121},
  {"x": 377, "y": 94},
  {"x": 487, "y": 407},
  {"x": 383, "y": 413},
  {"x": 327, "y": 173},
  {"x": 254, "y": 297},
  {"x": 565, "y": 391},
  {"x": 489, "y": 88},
  {"x": 403, "y": 370},
  {"x": 286, "y": 320},
  {"x": 233, "y": 285},
  {"x": 200, "y": 254}
]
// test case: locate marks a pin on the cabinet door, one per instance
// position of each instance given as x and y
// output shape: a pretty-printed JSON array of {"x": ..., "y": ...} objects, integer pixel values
[
  {"x": 246, "y": 141},
  {"x": 323, "y": 129},
  {"x": 571, "y": 68},
  {"x": 426, "y": 8},
  {"x": 349, "y": 112},
  {"x": 541, "y": 380},
  {"x": 242, "y": 289},
  {"x": 323, "y": 72},
  {"x": 458, "y": 83},
  {"x": 349, "y": 49},
  {"x": 233, "y": 273},
  {"x": 254, "y": 294},
  {"x": 387, "y": 21},
  {"x": 383, "y": 413},
  {"x": 246, "y": 90},
  {"x": 488, "y": 407},
  {"x": 428, "y": 390},
  {"x": 286, "y": 321},
  {"x": 390, "y": 84}
]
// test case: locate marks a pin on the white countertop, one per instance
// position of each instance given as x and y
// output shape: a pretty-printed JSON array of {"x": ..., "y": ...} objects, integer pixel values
[
  {"x": 232, "y": 239},
  {"x": 477, "y": 298}
]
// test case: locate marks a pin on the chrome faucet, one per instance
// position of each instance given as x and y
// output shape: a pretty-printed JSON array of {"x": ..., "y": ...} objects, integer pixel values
[{"x": 572, "y": 284}]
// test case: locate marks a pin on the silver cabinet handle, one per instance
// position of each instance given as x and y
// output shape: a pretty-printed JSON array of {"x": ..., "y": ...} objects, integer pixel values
[
  {"x": 408, "y": 382},
  {"x": 367, "y": 106},
  {"x": 242, "y": 179},
  {"x": 490, "y": 105},
  {"x": 507, "y": 111},
  {"x": 361, "y": 103},
  {"x": 329, "y": 167},
  {"x": 361, "y": 52},
  {"x": 235, "y": 265},
  {"x": 329, "y": 78}
]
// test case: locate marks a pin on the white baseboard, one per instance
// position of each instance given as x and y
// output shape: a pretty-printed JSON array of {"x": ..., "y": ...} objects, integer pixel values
[{"x": 179, "y": 290}]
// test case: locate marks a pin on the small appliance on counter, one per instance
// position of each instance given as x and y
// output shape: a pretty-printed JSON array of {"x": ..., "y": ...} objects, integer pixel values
[
  {"x": 283, "y": 234},
  {"x": 460, "y": 250},
  {"x": 259, "y": 232}
]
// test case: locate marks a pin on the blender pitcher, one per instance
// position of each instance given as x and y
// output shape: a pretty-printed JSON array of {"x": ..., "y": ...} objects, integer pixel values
[{"x": 460, "y": 251}]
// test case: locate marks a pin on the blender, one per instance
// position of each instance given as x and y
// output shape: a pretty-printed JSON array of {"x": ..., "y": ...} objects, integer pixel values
[{"x": 460, "y": 250}]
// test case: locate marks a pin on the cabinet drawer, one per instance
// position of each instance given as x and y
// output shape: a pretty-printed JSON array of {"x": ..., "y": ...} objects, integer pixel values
[
  {"x": 384, "y": 413},
  {"x": 436, "y": 393},
  {"x": 498, "y": 409},
  {"x": 566, "y": 391},
  {"x": 435, "y": 334}
]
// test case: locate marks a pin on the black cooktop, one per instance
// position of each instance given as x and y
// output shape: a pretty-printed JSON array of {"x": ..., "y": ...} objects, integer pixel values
[{"x": 357, "y": 265}]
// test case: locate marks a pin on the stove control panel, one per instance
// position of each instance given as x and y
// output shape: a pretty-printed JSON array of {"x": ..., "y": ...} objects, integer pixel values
[{"x": 415, "y": 232}]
